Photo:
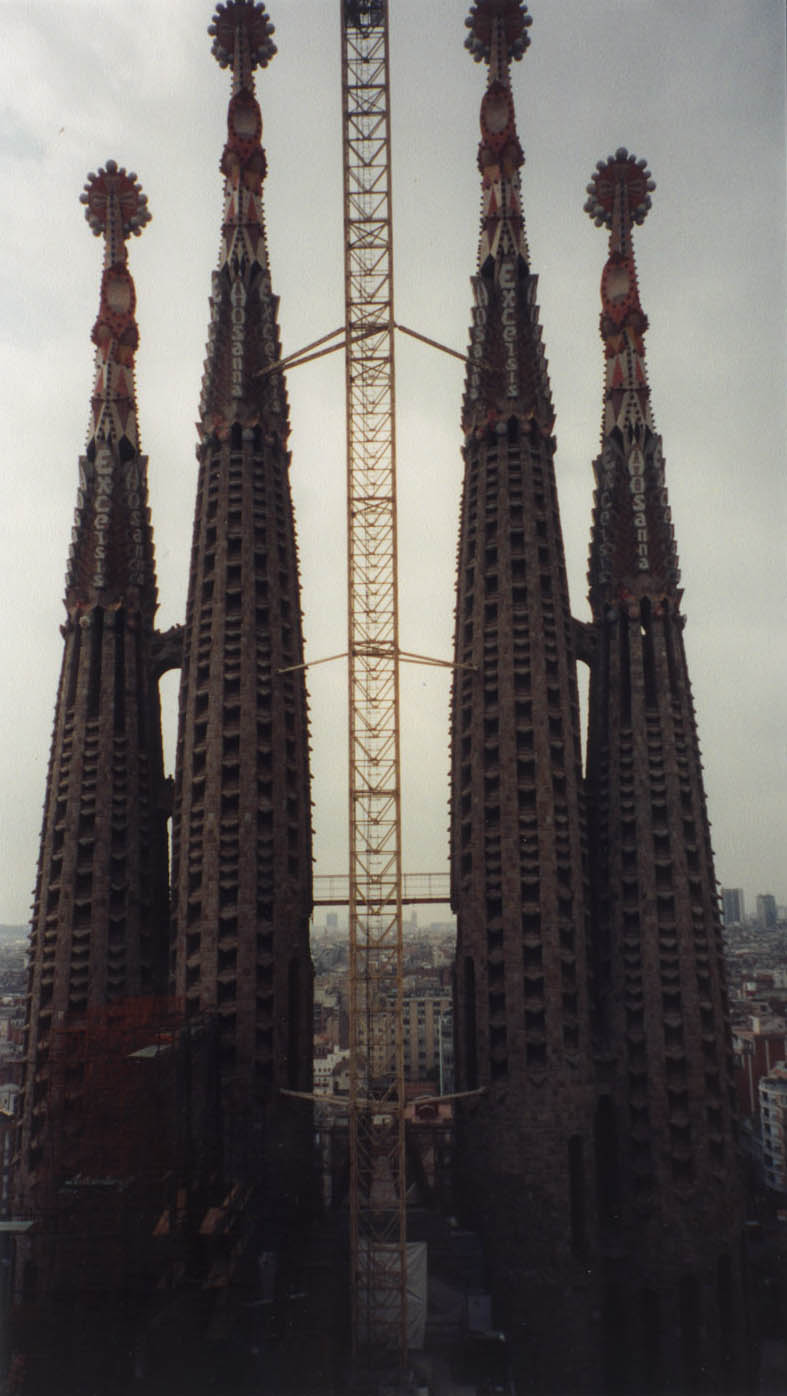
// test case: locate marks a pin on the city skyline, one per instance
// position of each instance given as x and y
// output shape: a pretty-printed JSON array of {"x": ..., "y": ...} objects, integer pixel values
[{"x": 706, "y": 136}]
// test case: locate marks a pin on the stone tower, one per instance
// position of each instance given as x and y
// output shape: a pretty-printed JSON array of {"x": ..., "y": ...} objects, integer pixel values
[
  {"x": 518, "y": 855},
  {"x": 100, "y": 917},
  {"x": 670, "y": 1219},
  {"x": 242, "y": 822}
]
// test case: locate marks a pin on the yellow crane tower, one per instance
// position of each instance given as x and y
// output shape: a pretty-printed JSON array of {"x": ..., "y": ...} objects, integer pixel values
[
  {"x": 378, "y": 1216},
  {"x": 375, "y": 888}
]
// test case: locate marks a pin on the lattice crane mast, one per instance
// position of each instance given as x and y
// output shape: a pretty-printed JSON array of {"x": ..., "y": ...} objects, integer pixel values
[{"x": 377, "y": 1153}]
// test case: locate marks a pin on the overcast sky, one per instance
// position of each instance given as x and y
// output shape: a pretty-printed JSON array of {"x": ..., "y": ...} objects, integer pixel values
[{"x": 694, "y": 86}]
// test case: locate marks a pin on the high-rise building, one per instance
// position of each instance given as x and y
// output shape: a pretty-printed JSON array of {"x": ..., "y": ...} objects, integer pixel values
[
  {"x": 732, "y": 905},
  {"x": 670, "y": 1211},
  {"x": 518, "y": 855},
  {"x": 426, "y": 1025},
  {"x": 99, "y": 927},
  {"x": 242, "y": 819},
  {"x": 766, "y": 910}
]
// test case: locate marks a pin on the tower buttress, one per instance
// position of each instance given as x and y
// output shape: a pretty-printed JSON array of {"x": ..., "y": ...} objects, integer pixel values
[
  {"x": 518, "y": 874},
  {"x": 670, "y": 1216}
]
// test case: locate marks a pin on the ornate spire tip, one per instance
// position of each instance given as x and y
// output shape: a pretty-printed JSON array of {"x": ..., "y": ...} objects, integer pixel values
[
  {"x": 248, "y": 16},
  {"x": 515, "y": 21},
  {"x": 113, "y": 185},
  {"x": 620, "y": 169}
]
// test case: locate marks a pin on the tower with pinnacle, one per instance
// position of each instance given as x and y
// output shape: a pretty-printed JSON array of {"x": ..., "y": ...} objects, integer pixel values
[
  {"x": 670, "y": 1218},
  {"x": 518, "y": 855},
  {"x": 100, "y": 925},
  {"x": 96, "y": 1139},
  {"x": 242, "y": 820}
]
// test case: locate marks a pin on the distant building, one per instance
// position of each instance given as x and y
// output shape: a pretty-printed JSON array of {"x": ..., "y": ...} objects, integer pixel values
[
  {"x": 766, "y": 910},
  {"x": 773, "y": 1114},
  {"x": 7, "y": 1125},
  {"x": 8, "y": 1094},
  {"x": 758, "y": 1050},
  {"x": 732, "y": 906},
  {"x": 428, "y": 1018},
  {"x": 330, "y": 1071},
  {"x": 330, "y": 1017}
]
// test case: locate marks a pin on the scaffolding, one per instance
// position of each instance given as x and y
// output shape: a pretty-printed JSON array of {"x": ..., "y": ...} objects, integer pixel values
[{"x": 378, "y": 1217}]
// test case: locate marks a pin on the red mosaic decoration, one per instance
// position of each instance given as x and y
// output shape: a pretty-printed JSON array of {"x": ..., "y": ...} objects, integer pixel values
[
  {"x": 243, "y": 332},
  {"x": 243, "y": 157},
  {"x": 117, "y": 306},
  {"x": 116, "y": 209},
  {"x": 498, "y": 123},
  {"x": 619, "y": 196},
  {"x": 507, "y": 375}
]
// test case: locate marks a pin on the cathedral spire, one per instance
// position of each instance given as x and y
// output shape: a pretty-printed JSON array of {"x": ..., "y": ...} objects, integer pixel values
[
  {"x": 507, "y": 374},
  {"x": 523, "y": 1029},
  {"x": 669, "y": 1210},
  {"x": 498, "y": 33},
  {"x": 116, "y": 209},
  {"x": 99, "y": 940},
  {"x": 243, "y": 339},
  {"x": 633, "y": 550},
  {"x": 241, "y": 831},
  {"x": 111, "y": 559},
  {"x": 618, "y": 197}
]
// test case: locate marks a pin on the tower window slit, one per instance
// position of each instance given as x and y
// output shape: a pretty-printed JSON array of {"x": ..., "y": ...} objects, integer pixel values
[
  {"x": 576, "y": 1171},
  {"x": 470, "y": 1025},
  {"x": 607, "y": 1161},
  {"x": 672, "y": 663},
  {"x": 73, "y": 670},
  {"x": 120, "y": 672},
  {"x": 294, "y": 1024},
  {"x": 97, "y": 645},
  {"x": 625, "y": 672},
  {"x": 689, "y": 1306},
  {"x": 648, "y": 655},
  {"x": 650, "y": 1327}
]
